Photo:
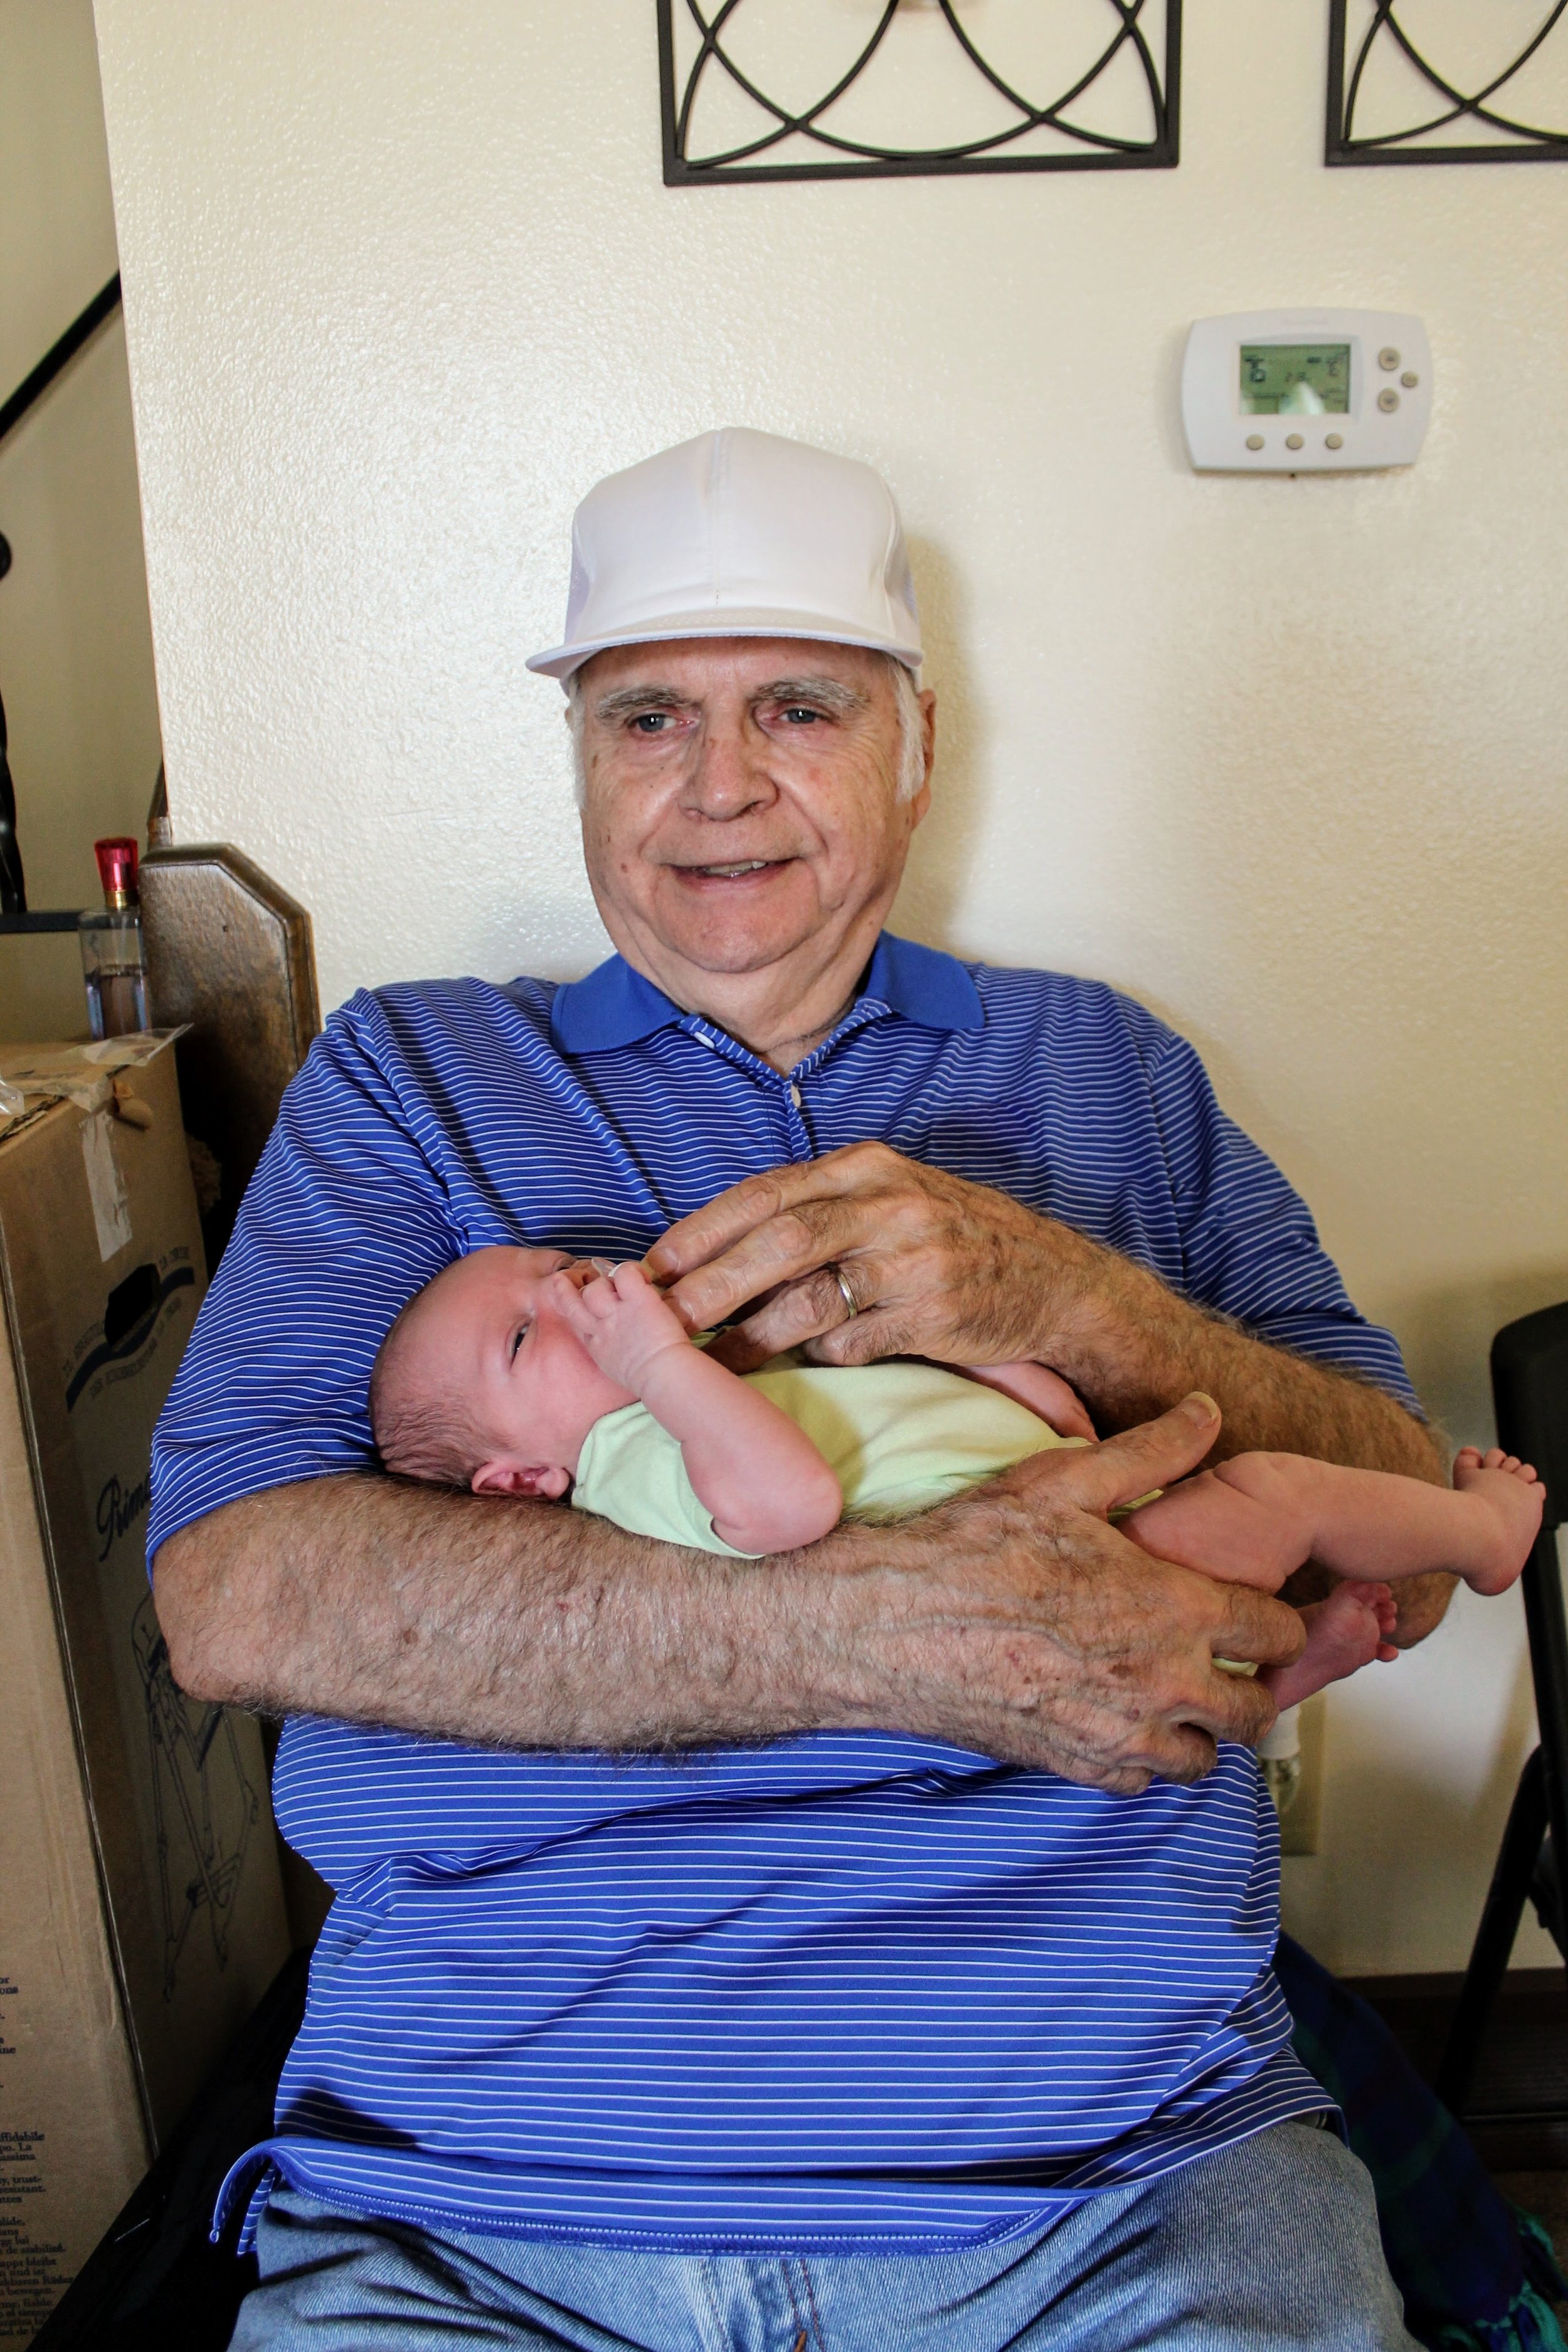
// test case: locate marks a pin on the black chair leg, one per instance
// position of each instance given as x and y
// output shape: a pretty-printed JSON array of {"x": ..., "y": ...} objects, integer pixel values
[{"x": 1504, "y": 1908}]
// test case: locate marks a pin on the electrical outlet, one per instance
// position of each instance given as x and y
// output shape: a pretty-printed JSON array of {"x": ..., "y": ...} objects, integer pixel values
[{"x": 1302, "y": 1817}]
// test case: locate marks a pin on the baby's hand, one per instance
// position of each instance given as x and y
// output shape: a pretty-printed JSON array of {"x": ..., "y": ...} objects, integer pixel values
[{"x": 623, "y": 1322}]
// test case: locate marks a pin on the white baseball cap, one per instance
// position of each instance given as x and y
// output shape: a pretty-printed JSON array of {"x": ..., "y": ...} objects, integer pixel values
[{"x": 737, "y": 534}]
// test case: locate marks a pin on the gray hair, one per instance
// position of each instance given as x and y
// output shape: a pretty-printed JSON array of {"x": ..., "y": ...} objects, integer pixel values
[{"x": 911, "y": 737}]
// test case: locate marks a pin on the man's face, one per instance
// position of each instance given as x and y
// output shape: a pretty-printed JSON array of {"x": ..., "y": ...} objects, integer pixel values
[{"x": 742, "y": 799}]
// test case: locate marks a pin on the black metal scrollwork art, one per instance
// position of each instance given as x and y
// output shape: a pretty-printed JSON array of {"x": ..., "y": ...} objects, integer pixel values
[
  {"x": 820, "y": 90},
  {"x": 1411, "y": 81}
]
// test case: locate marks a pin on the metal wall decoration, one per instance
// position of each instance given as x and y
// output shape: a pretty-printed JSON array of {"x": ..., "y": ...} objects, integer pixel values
[
  {"x": 823, "y": 89},
  {"x": 1411, "y": 81}
]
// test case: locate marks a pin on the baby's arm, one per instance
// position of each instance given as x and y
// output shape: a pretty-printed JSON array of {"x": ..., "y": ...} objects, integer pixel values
[{"x": 761, "y": 1478}]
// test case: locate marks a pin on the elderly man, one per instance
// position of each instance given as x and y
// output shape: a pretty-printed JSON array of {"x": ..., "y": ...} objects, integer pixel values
[{"x": 867, "y": 1946}]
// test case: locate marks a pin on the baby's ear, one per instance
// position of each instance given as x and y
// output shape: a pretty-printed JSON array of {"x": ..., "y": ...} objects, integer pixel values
[{"x": 514, "y": 1478}]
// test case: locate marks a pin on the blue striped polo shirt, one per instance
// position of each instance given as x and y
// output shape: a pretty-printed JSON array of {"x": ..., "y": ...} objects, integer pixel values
[{"x": 844, "y": 1991}]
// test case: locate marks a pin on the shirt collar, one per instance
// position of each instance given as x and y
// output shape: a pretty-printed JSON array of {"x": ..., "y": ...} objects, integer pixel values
[{"x": 617, "y": 1006}]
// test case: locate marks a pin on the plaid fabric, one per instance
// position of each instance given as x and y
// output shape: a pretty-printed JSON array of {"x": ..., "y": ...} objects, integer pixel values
[{"x": 1477, "y": 2274}]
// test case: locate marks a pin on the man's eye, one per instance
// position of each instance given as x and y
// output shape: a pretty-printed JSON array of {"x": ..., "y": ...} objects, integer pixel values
[
  {"x": 651, "y": 722},
  {"x": 800, "y": 713}
]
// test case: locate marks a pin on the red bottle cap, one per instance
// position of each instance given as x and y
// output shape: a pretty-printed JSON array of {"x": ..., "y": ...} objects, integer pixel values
[{"x": 117, "y": 869}]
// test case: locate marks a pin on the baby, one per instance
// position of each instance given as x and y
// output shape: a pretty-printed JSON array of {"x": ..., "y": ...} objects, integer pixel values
[{"x": 522, "y": 1371}]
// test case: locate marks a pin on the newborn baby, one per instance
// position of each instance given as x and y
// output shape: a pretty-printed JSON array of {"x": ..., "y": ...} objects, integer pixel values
[{"x": 522, "y": 1371}]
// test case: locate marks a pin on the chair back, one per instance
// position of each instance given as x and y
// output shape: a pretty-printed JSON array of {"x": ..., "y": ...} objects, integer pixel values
[
  {"x": 230, "y": 953},
  {"x": 1530, "y": 1388}
]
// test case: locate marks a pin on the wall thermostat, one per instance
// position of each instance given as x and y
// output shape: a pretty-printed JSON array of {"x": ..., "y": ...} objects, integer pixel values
[{"x": 1306, "y": 392}]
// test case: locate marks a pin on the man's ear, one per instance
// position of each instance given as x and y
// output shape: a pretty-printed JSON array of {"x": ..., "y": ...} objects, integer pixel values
[
  {"x": 927, "y": 700},
  {"x": 519, "y": 1478}
]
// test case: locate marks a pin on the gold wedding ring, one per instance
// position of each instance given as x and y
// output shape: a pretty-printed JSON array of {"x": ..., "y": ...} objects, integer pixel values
[{"x": 845, "y": 1292}]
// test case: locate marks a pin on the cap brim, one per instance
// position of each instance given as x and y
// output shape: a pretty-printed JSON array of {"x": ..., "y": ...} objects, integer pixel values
[{"x": 560, "y": 661}]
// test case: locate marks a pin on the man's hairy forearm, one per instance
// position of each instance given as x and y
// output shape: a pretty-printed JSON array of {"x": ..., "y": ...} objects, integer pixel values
[
  {"x": 489, "y": 1620},
  {"x": 1131, "y": 1347}
]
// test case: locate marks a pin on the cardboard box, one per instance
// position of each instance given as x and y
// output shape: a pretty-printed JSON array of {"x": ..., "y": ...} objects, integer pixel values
[{"x": 140, "y": 1910}]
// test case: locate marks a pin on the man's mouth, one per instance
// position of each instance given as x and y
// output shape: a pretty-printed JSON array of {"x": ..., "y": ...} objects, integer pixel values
[{"x": 735, "y": 870}]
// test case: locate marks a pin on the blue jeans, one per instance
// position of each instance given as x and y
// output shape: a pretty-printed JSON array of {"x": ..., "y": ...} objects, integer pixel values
[{"x": 1271, "y": 2244}]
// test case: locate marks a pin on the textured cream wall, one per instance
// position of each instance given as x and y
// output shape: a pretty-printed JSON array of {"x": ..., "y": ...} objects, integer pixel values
[
  {"x": 1284, "y": 758},
  {"x": 75, "y": 657}
]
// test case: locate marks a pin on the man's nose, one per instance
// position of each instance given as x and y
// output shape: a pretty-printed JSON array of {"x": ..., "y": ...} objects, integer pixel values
[{"x": 729, "y": 773}]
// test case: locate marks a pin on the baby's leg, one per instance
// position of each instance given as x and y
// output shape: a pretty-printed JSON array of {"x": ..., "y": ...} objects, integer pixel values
[
  {"x": 1370, "y": 1522},
  {"x": 1345, "y": 1632},
  {"x": 1223, "y": 1531},
  {"x": 1356, "y": 1523},
  {"x": 1045, "y": 1392}
]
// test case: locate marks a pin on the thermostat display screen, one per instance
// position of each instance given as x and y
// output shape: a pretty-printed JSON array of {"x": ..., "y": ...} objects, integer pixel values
[{"x": 1295, "y": 379}]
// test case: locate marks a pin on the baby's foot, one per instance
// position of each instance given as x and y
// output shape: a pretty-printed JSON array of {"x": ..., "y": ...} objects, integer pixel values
[
  {"x": 1347, "y": 1631},
  {"x": 1517, "y": 1497}
]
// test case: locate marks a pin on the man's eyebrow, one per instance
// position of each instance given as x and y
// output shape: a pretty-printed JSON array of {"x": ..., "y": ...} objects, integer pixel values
[
  {"x": 831, "y": 692},
  {"x": 628, "y": 698}
]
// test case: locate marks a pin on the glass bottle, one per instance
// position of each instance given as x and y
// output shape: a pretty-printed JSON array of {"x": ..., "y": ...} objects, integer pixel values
[{"x": 113, "y": 950}]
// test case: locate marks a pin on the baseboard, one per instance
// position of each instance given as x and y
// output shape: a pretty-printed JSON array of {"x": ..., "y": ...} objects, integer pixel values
[{"x": 1517, "y": 2109}]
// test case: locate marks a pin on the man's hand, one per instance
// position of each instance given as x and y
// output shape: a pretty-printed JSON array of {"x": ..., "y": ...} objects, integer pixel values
[
  {"x": 937, "y": 1266},
  {"x": 1032, "y": 1631}
]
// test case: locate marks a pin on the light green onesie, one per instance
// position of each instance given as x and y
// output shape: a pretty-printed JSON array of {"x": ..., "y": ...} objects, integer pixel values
[{"x": 898, "y": 1436}]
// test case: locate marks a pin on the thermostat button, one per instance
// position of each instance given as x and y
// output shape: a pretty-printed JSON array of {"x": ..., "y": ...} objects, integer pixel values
[
  {"x": 1334, "y": 441},
  {"x": 1388, "y": 400},
  {"x": 1388, "y": 357},
  {"x": 1410, "y": 379},
  {"x": 1255, "y": 440},
  {"x": 1294, "y": 441}
]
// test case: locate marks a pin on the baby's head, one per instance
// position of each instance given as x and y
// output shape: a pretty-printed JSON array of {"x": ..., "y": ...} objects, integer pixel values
[{"x": 481, "y": 1382}]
